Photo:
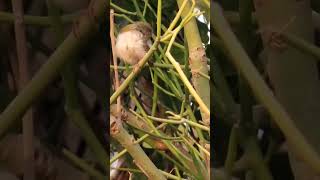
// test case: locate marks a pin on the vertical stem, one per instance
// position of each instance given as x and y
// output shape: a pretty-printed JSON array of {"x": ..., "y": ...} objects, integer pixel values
[
  {"x": 257, "y": 164},
  {"x": 159, "y": 15},
  {"x": 27, "y": 122},
  {"x": 197, "y": 60},
  {"x": 232, "y": 149},
  {"x": 246, "y": 100},
  {"x": 114, "y": 55},
  {"x": 155, "y": 95}
]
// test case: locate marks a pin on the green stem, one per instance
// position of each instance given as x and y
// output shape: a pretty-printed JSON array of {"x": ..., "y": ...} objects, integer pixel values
[
  {"x": 124, "y": 11},
  {"x": 37, "y": 20},
  {"x": 175, "y": 151},
  {"x": 302, "y": 45},
  {"x": 157, "y": 136},
  {"x": 256, "y": 161},
  {"x": 83, "y": 165},
  {"x": 180, "y": 122},
  {"x": 232, "y": 150},
  {"x": 246, "y": 100}
]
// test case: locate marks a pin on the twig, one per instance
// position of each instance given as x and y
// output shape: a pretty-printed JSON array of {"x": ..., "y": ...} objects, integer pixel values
[
  {"x": 121, "y": 9},
  {"x": 115, "y": 63},
  {"x": 168, "y": 66}
]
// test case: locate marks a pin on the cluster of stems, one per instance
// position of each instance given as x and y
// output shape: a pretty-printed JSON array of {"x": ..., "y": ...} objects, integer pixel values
[{"x": 170, "y": 130}]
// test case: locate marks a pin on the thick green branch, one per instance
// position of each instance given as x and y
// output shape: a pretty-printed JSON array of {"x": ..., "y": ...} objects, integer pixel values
[
  {"x": 140, "y": 158},
  {"x": 197, "y": 59}
]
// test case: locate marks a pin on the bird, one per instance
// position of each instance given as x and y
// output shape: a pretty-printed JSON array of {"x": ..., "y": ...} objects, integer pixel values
[{"x": 133, "y": 42}]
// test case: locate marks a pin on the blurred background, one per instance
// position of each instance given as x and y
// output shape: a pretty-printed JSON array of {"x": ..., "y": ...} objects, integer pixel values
[{"x": 62, "y": 45}]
